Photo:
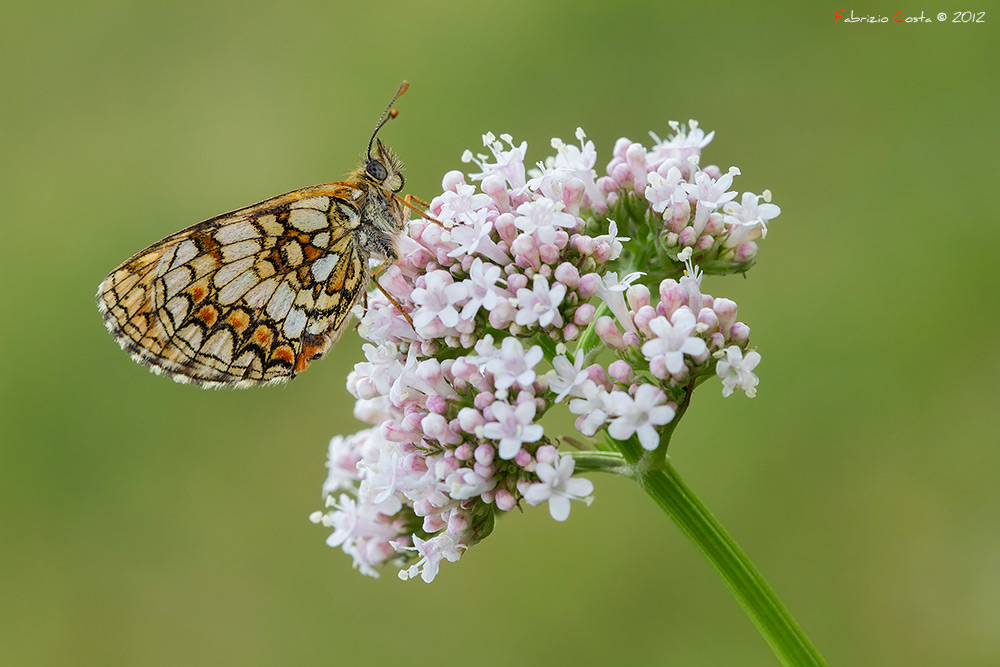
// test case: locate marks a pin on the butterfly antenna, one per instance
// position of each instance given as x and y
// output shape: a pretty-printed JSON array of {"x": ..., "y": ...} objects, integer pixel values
[{"x": 388, "y": 114}]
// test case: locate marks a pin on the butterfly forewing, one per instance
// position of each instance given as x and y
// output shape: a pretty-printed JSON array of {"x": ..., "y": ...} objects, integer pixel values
[{"x": 248, "y": 297}]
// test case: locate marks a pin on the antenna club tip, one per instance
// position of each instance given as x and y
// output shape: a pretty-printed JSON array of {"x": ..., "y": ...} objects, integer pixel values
[
  {"x": 403, "y": 86},
  {"x": 393, "y": 113}
]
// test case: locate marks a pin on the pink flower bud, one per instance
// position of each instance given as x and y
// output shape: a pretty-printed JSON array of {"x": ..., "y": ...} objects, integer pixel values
[
  {"x": 708, "y": 317},
  {"x": 549, "y": 253},
  {"x": 505, "y": 500},
  {"x": 572, "y": 195},
  {"x": 452, "y": 180},
  {"x": 458, "y": 523},
  {"x": 523, "y": 458},
  {"x": 484, "y": 470},
  {"x": 621, "y": 371},
  {"x": 516, "y": 282},
  {"x": 434, "y": 522},
  {"x": 635, "y": 156},
  {"x": 589, "y": 284},
  {"x": 745, "y": 252},
  {"x": 739, "y": 334},
  {"x": 431, "y": 236},
  {"x": 597, "y": 373},
  {"x": 607, "y": 185},
  {"x": 680, "y": 215},
  {"x": 506, "y": 228},
  {"x": 713, "y": 171},
  {"x": 671, "y": 297},
  {"x": 584, "y": 244},
  {"x": 571, "y": 331},
  {"x": 412, "y": 421},
  {"x": 485, "y": 453},
  {"x": 584, "y": 315},
  {"x": 523, "y": 397},
  {"x": 435, "y": 426},
  {"x": 630, "y": 339},
  {"x": 609, "y": 333},
  {"x": 547, "y": 454},
  {"x": 568, "y": 275},
  {"x": 621, "y": 147},
  {"x": 437, "y": 404},
  {"x": 496, "y": 188},
  {"x": 658, "y": 367},
  {"x": 687, "y": 236},
  {"x": 469, "y": 419},
  {"x": 502, "y": 315},
  {"x": 643, "y": 317},
  {"x": 637, "y": 296},
  {"x": 464, "y": 451},
  {"x": 622, "y": 174},
  {"x": 725, "y": 309},
  {"x": 483, "y": 400},
  {"x": 715, "y": 226}
]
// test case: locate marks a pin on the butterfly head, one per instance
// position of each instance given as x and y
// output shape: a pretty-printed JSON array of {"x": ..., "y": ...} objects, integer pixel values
[{"x": 383, "y": 168}]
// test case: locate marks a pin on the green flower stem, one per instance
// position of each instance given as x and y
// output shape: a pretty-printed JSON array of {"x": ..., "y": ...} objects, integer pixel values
[
  {"x": 779, "y": 629},
  {"x": 590, "y": 461}
]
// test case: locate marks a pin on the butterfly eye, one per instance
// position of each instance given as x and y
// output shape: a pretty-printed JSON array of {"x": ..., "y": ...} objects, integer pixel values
[{"x": 376, "y": 170}]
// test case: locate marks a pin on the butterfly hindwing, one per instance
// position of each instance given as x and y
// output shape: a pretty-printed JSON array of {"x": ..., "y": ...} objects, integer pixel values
[{"x": 247, "y": 297}]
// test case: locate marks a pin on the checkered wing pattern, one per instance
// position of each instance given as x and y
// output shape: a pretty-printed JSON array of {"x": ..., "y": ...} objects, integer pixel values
[{"x": 246, "y": 298}]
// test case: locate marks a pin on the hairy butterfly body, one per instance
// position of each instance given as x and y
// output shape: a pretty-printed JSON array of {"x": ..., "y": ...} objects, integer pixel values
[{"x": 253, "y": 296}]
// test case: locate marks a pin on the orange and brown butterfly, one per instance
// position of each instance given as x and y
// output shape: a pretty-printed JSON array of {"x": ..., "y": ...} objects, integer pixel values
[{"x": 253, "y": 296}]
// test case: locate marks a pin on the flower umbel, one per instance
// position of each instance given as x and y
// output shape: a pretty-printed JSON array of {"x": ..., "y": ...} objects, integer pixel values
[{"x": 530, "y": 289}]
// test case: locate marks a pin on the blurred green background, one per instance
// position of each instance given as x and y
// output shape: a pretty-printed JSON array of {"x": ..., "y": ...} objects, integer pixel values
[{"x": 150, "y": 523}]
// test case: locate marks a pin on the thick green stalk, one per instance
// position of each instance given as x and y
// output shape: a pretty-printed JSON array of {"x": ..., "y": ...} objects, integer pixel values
[{"x": 779, "y": 629}]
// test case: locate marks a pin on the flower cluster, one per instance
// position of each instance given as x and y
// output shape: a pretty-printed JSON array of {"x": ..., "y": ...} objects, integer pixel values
[{"x": 512, "y": 285}]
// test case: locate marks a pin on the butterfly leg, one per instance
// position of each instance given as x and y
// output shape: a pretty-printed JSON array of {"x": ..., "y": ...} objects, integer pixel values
[
  {"x": 388, "y": 296},
  {"x": 417, "y": 205}
]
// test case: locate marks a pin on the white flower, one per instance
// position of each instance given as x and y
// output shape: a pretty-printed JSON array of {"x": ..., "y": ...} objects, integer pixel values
[
  {"x": 567, "y": 378},
  {"x": 613, "y": 240},
  {"x": 511, "y": 364},
  {"x": 662, "y": 192},
  {"x": 736, "y": 370},
  {"x": 593, "y": 404},
  {"x": 382, "y": 479},
  {"x": 711, "y": 194},
  {"x": 683, "y": 144},
  {"x": 541, "y": 218},
  {"x": 540, "y": 304},
  {"x": 482, "y": 288},
  {"x": 438, "y": 299},
  {"x": 569, "y": 163},
  {"x": 509, "y": 164},
  {"x": 558, "y": 486},
  {"x": 512, "y": 427},
  {"x": 456, "y": 205},
  {"x": 375, "y": 377},
  {"x": 612, "y": 291},
  {"x": 640, "y": 415},
  {"x": 673, "y": 340},
  {"x": 466, "y": 483},
  {"x": 749, "y": 217},
  {"x": 442, "y": 546},
  {"x": 342, "y": 460},
  {"x": 474, "y": 237}
]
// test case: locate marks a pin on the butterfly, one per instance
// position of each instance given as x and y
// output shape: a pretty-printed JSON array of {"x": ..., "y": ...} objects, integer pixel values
[{"x": 253, "y": 296}]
